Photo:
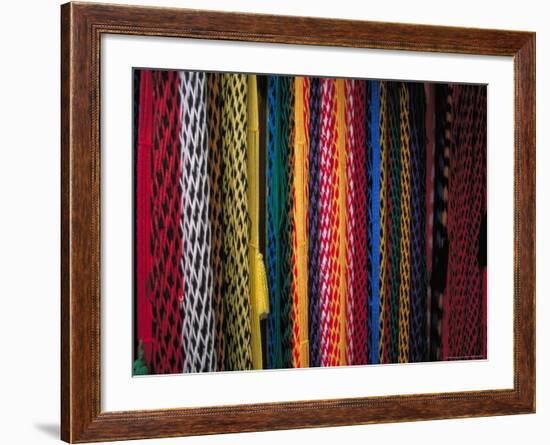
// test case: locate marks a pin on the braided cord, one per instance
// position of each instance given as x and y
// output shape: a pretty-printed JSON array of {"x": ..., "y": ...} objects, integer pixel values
[
  {"x": 274, "y": 355},
  {"x": 215, "y": 174},
  {"x": 376, "y": 222},
  {"x": 455, "y": 303},
  {"x": 166, "y": 236},
  {"x": 394, "y": 221},
  {"x": 329, "y": 252},
  {"x": 405, "y": 218},
  {"x": 286, "y": 226},
  {"x": 384, "y": 217},
  {"x": 370, "y": 224},
  {"x": 479, "y": 345},
  {"x": 300, "y": 352},
  {"x": 463, "y": 307},
  {"x": 314, "y": 222},
  {"x": 195, "y": 262},
  {"x": 235, "y": 217},
  {"x": 385, "y": 151},
  {"x": 374, "y": 125},
  {"x": 473, "y": 215},
  {"x": 357, "y": 223},
  {"x": 418, "y": 231},
  {"x": 363, "y": 224},
  {"x": 341, "y": 137},
  {"x": 351, "y": 191}
]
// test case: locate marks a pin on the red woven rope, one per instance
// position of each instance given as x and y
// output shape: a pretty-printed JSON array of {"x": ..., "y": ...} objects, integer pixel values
[
  {"x": 463, "y": 308},
  {"x": 166, "y": 245},
  {"x": 356, "y": 202},
  {"x": 329, "y": 251}
]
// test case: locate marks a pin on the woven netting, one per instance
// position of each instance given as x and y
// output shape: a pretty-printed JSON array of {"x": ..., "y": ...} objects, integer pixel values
[
  {"x": 357, "y": 222},
  {"x": 330, "y": 239},
  {"x": 166, "y": 233},
  {"x": 463, "y": 307},
  {"x": 238, "y": 354},
  {"x": 215, "y": 172},
  {"x": 314, "y": 195}
]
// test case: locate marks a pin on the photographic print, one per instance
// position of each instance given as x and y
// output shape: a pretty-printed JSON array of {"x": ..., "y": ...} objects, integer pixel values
[
  {"x": 304, "y": 225},
  {"x": 286, "y": 221}
]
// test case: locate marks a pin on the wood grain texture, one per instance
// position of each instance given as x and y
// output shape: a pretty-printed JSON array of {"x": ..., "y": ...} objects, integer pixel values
[{"x": 81, "y": 28}]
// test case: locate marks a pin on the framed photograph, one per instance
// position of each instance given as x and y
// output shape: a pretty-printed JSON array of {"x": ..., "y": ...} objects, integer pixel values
[{"x": 274, "y": 222}]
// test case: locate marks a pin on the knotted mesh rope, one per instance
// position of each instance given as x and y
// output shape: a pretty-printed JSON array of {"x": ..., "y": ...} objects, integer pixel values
[
  {"x": 463, "y": 306},
  {"x": 371, "y": 196},
  {"x": 195, "y": 264},
  {"x": 314, "y": 192},
  {"x": 383, "y": 221},
  {"x": 215, "y": 173},
  {"x": 394, "y": 222},
  {"x": 300, "y": 352},
  {"x": 405, "y": 219},
  {"x": 286, "y": 227},
  {"x": 274, "y": 353},
  {"x": 330, "y": 241},
  {"x": 235, "y": 218},
  {"x": 166, "y": 233},
  {"x": 357, "y": 223}
]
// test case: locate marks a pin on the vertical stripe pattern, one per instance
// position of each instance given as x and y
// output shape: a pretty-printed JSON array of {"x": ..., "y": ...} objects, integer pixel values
[
  {"x": 235, "y": 218},
  {"x": 294, "y": 221},
  {"x": 195, "y": 263}
]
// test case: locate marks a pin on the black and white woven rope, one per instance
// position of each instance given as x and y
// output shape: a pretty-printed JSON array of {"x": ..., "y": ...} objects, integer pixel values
[{"x": 198, "y": 316}]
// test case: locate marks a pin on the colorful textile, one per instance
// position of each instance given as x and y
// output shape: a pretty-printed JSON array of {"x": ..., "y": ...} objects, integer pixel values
[
  {"x": 285, "y": 222},
  {"x": 287, "y": 92},
  {"x": 394, "y": 224},
  {"x": 330, "y": 228},
  {"x": 313, "y": 218},
  {"x": 166, "y": 241},
  {"x": 357, "y": 223},
  {"x": 341, "y": 137},
  {"x": 259, "y": 300},
  {"x": 300, "y": 341},
  {"x": 378, "y": 178},
  {"x": 236, "y": 273},
  {"x": 383, "y": 332},
  {"x": 274, "y": 214},
  {"x": 195, "y": 263},
  {"x": 215, "y": 173},
  {"x": 405, "y": 220},
  {"x": 463, "y": 307}
]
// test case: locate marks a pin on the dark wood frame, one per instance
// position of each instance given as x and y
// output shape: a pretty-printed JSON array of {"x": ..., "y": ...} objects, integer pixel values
[{"x": 81, "y": 28}]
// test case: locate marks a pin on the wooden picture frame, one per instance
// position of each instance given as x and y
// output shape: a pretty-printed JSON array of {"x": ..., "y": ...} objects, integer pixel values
[{"x": 82, "y": 26}]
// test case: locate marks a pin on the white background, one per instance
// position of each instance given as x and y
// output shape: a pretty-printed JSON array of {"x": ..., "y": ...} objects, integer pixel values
[{"x": 29, "y": 226}]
